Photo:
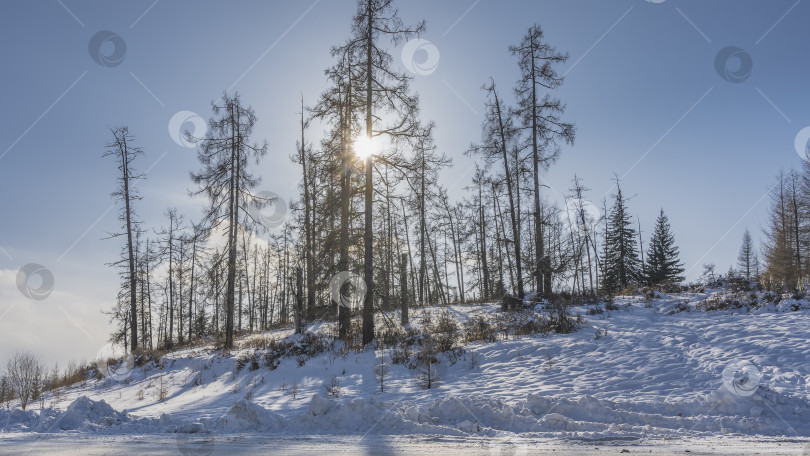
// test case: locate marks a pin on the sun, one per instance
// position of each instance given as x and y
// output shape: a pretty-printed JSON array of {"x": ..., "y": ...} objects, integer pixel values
[{"x": 365, "y": 147}]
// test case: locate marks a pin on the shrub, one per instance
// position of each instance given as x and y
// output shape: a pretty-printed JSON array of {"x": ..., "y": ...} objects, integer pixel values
[
  {"x": 426, "y": 361},
  {"x": 528, "y": 322},
  {"x": 479, "y": 329},
  {"x": 629, "y": 290},
  {"x": 162, "y": 393},
  {"x": 247, "y": 359},
  {"x": 560, "y": 319},
  {"x": 391, "y": 336},
  {"x": 401, "y": 354},
  {"x": 598, "y": 310},
  {"x": 444, "y": 332},
  {"x": 307, "y": 347},
  {"x": 509, "y": 302},
  {"x": 682, "y": 306},
  {"x": 143, "y": 357},
  {"x": 333, "y": 388},
  {"x": 727, "y": 301},
  {"x": 272, "y": 360}
]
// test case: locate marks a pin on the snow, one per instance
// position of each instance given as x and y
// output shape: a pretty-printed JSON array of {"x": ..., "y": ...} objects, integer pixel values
[
  {"x": 664, "y": 370},
  {"x": 86, "y": 414}
]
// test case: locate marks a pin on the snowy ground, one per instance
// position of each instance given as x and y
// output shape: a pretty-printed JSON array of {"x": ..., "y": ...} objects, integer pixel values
[{"x": 660, "y": 380}]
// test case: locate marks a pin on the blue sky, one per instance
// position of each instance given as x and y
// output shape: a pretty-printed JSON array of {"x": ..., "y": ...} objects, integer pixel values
[{"x": 641, "y": 86}]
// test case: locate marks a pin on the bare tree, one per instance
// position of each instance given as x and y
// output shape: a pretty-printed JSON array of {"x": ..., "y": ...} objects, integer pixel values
[
  {"x": 169, "y": 253},
  {"x": 24, "y": 373},
  {"x": 540, "y": 115},
  {"x": 498, "y": 138},
  {"x": 309, "y": 232},
  {"x": 224, "y": 153},
  {"x": 125, "y": 153},
  {"x": 387, "y": 92},
  {"x": 782, "y": 243}
]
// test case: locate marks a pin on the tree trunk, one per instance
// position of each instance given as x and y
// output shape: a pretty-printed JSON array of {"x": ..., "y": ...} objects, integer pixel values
[
  {"x": 483, "y": 238},
  {"x": 403, "y": 284},
  {"x": 233, "y": 203},
  {"x": 191, "y": 287},
  {"x": 308, "y": 234},
  {"x": 368, "y": 265},
  {"x": 511, "y": 193},
  {"x": 344, "y": 313},
  {"x": 133, "y": 305},
  {"x": 299, "y": 301}
]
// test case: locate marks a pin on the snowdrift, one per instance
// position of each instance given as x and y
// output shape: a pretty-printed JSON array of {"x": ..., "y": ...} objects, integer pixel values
[{"x": 722, "y": 412}]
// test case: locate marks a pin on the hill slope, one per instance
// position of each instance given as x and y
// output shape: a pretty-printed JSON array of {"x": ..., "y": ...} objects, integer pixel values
[{"x": 651, "y": 369}]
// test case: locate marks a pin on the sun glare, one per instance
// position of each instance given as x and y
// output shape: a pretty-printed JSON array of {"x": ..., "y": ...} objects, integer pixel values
[{"x": 365, "y": 147}]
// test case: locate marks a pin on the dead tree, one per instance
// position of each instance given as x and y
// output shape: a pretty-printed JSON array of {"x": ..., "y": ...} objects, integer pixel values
[{"x": 125, "y": 153}]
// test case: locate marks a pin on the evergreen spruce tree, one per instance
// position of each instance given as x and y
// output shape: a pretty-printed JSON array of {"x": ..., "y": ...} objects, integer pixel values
[
  {"x": 621, "y": 254},
  {"x": 747, "y": 259},
  {"x": 663, "y": 262}
]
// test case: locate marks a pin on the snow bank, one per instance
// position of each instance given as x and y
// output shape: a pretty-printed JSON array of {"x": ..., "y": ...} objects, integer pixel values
[
  {"x": 83, "y": 414},
  {"x": 764, "y": 413},
  {"x": 16, "y": 420},
  {"x": 361, "y": 416},
  {"x": 244, "y": 416},
  {"x": 89, "y": 415}
]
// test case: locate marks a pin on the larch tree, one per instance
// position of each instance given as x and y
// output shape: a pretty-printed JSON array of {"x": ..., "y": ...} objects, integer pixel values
[
  {"x": 169, "y": 253},
  {"x": 498, "y": 138},
  {"x": 124, "y": 153},
  {"x": 782, "y": 241},
  {"x": 225, "y": 153},
  {"x": 585, "y": 224},
  {"x": 194, "y": 238},
  {"x": 540, "y": 116},
  {"x": 304, "y": 157},
  {"x": 337, "y": 106},
  {"x": 390, "y": 108},
  {"x": 479, "y": 180},
  {"x": 427, "y": 161}
]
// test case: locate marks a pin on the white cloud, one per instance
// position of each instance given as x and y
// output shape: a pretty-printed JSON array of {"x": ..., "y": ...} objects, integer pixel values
[{"x": 67, "y": 325}]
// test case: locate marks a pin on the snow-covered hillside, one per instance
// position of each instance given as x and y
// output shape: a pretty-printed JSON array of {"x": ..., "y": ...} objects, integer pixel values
[{"x": 651, "y": 369}]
